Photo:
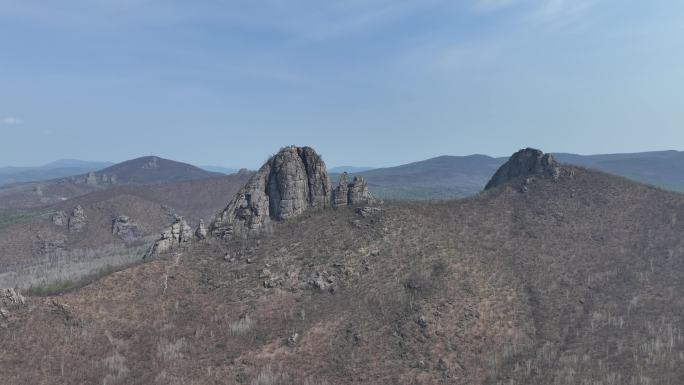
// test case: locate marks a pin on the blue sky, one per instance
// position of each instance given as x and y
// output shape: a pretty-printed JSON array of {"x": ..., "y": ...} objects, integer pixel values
[{"x": 366, "y": 82}]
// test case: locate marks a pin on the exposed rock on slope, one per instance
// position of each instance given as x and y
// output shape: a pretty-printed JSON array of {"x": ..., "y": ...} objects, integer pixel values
[
  {"x": 201, "y": 232},
  {"x": 123, "y": 228},
  {"x": 525, "y": 163},
  {"x": 292, "y": 181},
  {"x": 10, "y": 299},
  {"x": 77, "y": 220},
  {"x": 60, "y": 218},
  {"x": 178, "y": 233},
  {"x": 353, "y": 193}
]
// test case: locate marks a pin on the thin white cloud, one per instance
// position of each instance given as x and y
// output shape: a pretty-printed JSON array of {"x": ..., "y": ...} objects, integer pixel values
[{"x": 11, "y": 121}]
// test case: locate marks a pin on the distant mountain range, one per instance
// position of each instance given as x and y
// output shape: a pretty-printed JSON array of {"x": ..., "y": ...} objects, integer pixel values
[
  {"x": 350, "y": 169},
  {"x": 442, "y": 177},
  {"x": 53, "y": 170},
  {"x": 219, "y": 169},
  {"x": 148, "y": 170}
]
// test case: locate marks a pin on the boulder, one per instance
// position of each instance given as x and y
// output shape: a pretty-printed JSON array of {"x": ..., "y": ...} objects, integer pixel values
[
  {"x": 525, "y": 164},
  {"x": 289, "y": 183},
  {"x": 368, "y": 211}
]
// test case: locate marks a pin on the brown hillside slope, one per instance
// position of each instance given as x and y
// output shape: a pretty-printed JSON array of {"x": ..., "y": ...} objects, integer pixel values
[
  {"x": 35, "y": 246},
  {"x": 577, "y": 281}
]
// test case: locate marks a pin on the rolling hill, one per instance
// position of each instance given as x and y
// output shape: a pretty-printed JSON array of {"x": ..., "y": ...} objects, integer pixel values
[
  {"x": 52, "y": 170},
  {"x": 147, "y": 170},
  {"x": 448, "y": 177}
]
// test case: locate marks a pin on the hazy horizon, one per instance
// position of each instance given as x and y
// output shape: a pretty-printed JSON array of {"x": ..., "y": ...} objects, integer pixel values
[
  {"x": 365, "y": 82},
  {"x": 330, "y": 166}
]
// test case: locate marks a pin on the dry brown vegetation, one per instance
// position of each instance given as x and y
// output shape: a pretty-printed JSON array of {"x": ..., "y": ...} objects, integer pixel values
[
  {"x": 573, "y": 282},
  {"x": 34, "y": 252}
]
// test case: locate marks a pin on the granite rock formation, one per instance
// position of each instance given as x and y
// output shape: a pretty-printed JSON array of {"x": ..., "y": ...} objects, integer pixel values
[
  {"x": 177, "y": 234},
  {"x": 351, "y": 194},
  {"x": 124, "y": 228},
  {"x": 10, "y": 299},
  {"x": 201, "y": 232},
  {"x": 77, "y": 220},
  {"x": 60, "y": 218},
  {"x": 340, "y": 195},
  {"x": 292, "y": 181},
  {"x": 525, "y": 164}
]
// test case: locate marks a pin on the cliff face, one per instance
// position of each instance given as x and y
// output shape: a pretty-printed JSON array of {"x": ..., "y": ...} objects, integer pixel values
[
  {"x": 292, "y": 181},
  {"x": 525, "y": 163}
]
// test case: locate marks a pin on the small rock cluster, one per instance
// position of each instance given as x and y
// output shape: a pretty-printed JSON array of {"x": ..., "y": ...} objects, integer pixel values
[
  {"x": 351, "y": 194},
  {"x": 77, "y": 220},
  {"x": 201, "y": 232},
  {"x": 10, "y": 299},
  {"x": 124, "y": 228},
  {"x": 95, "y": 179},
  {"x": 177, "y": 234},
  {"x": 60, "y": 218},
  {"x": 368, "y": 211}
]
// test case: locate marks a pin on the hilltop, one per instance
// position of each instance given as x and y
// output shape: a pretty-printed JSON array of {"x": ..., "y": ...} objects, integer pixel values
[
  {"x": 448, "y": 177},
  {"x": 148, "y": 170},
  {"x": 57, "y": 169}
]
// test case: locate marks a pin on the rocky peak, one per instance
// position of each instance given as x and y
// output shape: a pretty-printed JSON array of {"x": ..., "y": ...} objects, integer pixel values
[
  {"x": 523, "y": 164},
  {"x": 290, "y": 182}
]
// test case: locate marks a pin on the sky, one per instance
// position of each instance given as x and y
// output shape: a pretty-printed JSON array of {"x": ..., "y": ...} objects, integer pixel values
[{"x": 365, "y": 82}]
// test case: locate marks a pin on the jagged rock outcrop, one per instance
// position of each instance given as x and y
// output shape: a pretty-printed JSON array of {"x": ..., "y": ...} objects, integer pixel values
[
  {"x": 91, "y": 178},
  {"x": 524, "y": 164},
  {"x": 340, "y": 195},
  {"x": 77, "y": 220},
  {"x": 10, "y": 299},
  {"x": 60, "y": 218},
  {"x": 177, "y": 234},
  {"x": 292, "y": 181},
  {"x": 201, "y": 232},
  {"x": 352, "y": 194},
  {"x": 124, "y": 228},
  {"x": 358, "y": 192}
]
